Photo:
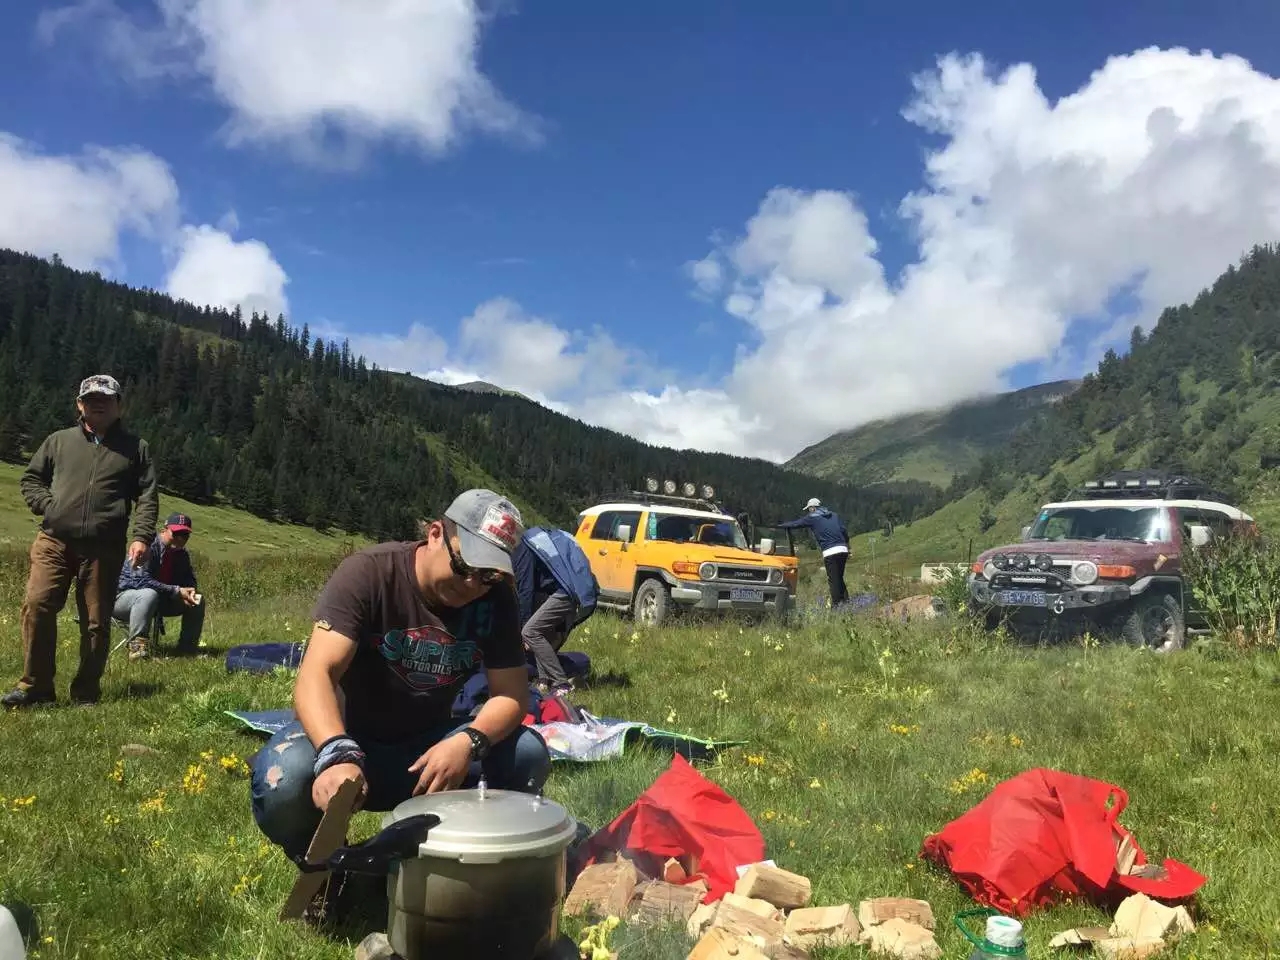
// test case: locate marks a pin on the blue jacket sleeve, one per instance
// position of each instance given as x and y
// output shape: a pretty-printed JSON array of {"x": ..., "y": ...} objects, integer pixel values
[{"x": 793, "y": 524}]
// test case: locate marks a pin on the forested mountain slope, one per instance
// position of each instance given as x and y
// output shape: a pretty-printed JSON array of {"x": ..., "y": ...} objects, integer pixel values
[{"x": 258, "y": 414}]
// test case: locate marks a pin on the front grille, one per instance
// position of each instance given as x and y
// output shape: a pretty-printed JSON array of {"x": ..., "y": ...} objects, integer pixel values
[{"x": 743, "y": 574}]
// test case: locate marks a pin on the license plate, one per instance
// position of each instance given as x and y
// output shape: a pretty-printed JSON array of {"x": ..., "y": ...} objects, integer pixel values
[
  {"x": 1021, "y": 598},
  {"x": 746, "y": 594}
]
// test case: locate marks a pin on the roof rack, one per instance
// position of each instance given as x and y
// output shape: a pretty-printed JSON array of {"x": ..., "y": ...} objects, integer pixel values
[
  {"x": 654, "y": 499},
  {"x": 1149, "y": 484}
]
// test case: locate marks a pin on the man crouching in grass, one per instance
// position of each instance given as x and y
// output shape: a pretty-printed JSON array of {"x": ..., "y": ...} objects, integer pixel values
[{"x": 398, "y": 628}]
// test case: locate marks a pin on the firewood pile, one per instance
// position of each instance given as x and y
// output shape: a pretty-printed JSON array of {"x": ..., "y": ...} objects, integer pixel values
[{"x": 768, "y": 914}]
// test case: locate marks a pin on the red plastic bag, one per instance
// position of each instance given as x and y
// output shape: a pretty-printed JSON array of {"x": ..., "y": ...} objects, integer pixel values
[
  {"x": 683, "y": 813},
  {"x": 1044, "y": 835}
]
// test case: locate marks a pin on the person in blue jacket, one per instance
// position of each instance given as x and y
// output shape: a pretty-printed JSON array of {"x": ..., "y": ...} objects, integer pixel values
[
  {"x": 164, "y": 584},
  {"x": 555, "y": 591},
  {"x": 833, "y": 540}
]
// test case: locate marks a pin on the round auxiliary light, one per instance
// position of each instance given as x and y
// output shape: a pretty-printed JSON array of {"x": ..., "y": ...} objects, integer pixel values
[
  {"x": 1044, "y": 563},
  {"x": 668, "y": 486},
  {"x": 651, "y": 485},
  {"x": 775, "y": 576},
  {"x": 707, "y": 571},
  {"x": 708, "y": 491},
  {"x": 1000, "y": 561},
  {"x": 690, "y": 489},
  {"x": 1084, "y": 572},
  {"x": 1022, "y": 562}
]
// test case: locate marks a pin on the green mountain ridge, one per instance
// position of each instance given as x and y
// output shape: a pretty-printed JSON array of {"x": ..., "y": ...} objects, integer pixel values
[
  {"x": 258, "y": 415},
  {"x": 1199, "y": 394},
  {"x": 932, "y": 446}
]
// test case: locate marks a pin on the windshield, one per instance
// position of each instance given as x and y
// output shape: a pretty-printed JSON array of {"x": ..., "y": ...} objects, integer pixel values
[
  {"x": 682, "y": 529},
  {"x": 1146, "y": 524}
]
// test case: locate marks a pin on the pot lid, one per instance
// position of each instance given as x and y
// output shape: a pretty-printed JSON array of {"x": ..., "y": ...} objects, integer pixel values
[{"x": 489, "y": 826}]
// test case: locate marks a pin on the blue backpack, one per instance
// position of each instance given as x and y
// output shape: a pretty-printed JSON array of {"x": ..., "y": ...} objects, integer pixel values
[{"x": 568, "y": 564}]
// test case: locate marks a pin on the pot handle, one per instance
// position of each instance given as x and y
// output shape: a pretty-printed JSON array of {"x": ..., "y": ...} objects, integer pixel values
[{"x": 399, "y": 841}]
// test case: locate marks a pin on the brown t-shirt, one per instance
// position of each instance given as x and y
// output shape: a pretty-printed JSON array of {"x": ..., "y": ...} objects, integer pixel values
[{"x": 410, "y": 659}]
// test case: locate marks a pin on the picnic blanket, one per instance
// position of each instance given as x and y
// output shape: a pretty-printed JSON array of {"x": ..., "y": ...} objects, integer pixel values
[{"x": 593, "y": 739}]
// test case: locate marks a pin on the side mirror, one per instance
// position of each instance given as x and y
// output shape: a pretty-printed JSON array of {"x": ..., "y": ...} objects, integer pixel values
[
  {"x": 1026, "y": 531},
  {"x": 624, "y": 535},
  {"x": 1200, "y": 534},
  {"x": 765, "y": 546}
]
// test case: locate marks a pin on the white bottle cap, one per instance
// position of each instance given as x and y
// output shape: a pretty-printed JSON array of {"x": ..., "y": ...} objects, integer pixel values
[{"x": 1004, "y": 932}]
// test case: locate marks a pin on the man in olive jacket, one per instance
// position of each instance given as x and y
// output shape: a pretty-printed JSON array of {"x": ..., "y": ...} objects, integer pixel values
[{"x": 82, "y": 483}]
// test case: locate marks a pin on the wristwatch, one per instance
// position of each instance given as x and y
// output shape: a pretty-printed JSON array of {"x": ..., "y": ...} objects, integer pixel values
[{"x": 479, "y": 743}]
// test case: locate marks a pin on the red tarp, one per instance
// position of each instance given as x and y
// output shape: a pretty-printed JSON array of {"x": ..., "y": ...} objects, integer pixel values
[
  {"x": 683, "y": 814},
  {"x": 1044, "y": 835}
]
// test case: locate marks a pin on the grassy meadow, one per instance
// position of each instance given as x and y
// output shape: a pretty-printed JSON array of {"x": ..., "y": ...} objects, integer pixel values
[{"x": 126, "y": 828}]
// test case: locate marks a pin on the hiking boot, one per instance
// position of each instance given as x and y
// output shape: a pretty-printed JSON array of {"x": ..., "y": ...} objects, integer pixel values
[
  {"x": 18, "y": 697},
  {"x": 139, "y": 649}
]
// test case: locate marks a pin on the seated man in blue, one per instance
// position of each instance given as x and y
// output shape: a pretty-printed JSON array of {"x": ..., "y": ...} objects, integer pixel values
[
  {"x": 164, "y": 584},
  {"x": 398, "y": 629}
]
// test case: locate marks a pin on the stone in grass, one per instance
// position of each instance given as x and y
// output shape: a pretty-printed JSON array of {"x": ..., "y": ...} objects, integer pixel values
[
  {"x": 138, "y": 750},
  {"x": 375, "y": 946}
]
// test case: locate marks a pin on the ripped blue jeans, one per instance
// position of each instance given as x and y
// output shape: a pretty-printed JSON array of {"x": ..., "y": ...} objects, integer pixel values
[{"x": 282, "y": 777}]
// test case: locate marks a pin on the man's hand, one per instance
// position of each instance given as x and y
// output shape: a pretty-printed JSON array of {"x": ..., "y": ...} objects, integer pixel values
[
  {"x": 444, "y": 766},
  {"x": 188, "y": 595},
  {"x": 137, "y": 553},
  {"x": 327, "y": 784}
]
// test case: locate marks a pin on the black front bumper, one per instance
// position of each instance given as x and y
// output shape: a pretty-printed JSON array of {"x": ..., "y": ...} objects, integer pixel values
[{"x": 1097, "y": 597}]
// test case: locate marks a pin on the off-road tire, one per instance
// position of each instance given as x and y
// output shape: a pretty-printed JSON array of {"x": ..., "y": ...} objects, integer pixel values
[
  {"x": 652, "y": 603},
  {"x": 1151, "y": 616}
]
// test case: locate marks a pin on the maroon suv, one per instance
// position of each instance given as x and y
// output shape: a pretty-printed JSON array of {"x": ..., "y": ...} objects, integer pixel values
[{"x": 1109, "y": 560}]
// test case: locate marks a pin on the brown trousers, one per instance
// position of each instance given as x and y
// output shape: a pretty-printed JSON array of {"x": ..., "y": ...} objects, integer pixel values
[{"x": 95, "y": 570}]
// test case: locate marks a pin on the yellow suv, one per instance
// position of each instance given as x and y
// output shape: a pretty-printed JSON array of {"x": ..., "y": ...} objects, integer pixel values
[{"x": 654, "y": 555}]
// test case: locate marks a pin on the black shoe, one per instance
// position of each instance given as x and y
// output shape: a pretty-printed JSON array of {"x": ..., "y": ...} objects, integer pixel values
[{"x": 18, "y": 697}]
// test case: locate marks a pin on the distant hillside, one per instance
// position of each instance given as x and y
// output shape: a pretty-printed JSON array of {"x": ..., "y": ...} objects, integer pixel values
[
  {"x": 257, "y": 414},
  {"x": 933, "y": 446},
  {"x": 483, "y": 386}
]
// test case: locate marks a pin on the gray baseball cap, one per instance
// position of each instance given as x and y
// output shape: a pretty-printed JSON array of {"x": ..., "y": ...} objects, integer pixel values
[
  {"x": 489, "y": 528},
  {"x": 99, "y": 383}
]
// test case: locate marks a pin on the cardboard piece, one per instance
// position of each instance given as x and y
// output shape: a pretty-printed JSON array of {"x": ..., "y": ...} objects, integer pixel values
[
  {"x": 903, "y": 939},
  {"x": 826, "y": 926},
  {"x": 603, "y": 888},
  {"x": 1079, "y": 937},
  {"x": 331, "y": 833},
  {"x": 882, "y": 909},
  {"x": 1141, "y": 918}
]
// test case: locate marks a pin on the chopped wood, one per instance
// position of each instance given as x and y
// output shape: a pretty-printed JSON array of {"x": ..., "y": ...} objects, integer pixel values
[
  {"x": 1127, "y": 948},
  {"x": 744, "y": 922},
  {"x": 904, "y": 939},
  {"x": 1141, "y": 918},
  {"x": 666, "y": 902},
  {"x": 826, "y": 926},
  {"x": 881, "y": 909},
  {"x": 331, "y": 833},
  {"x": 761, "y": 908},
  {"x": 673, "y": 871},
  {"x": 782, "y": 888},
  {"x": 720, "y": 944},
  {"x": 701, "y": 919},
  {"x": 603, "y": 888}
]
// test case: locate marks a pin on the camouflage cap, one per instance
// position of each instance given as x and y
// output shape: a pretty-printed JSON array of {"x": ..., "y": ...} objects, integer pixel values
[{"x": 99, "y": 383}]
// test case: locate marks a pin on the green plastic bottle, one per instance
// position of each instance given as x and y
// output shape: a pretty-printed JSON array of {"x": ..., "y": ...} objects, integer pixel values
[{"x": 1003, "y": 939}]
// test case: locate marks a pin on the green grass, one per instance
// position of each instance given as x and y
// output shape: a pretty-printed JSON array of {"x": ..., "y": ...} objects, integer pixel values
[
  {"x": 221, "y": 532},
  {"x": 838, "y": 795}
]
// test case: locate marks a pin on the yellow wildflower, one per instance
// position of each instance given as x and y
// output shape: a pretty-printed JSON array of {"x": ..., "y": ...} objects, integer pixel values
[
  {"x": 756, "y": 760},
  {"x": 21, "y": 803},
  {"x": 974, "y": 778},
  {"x": 117, "y": 772},
  {"x": 769, "y": 816},
  {"x": 815, "y": 784},
  {"x": 207, "y": 756},
  {"x": 823, "y": 726},
  {"x": 154, "y": 804},
  {"x": 721, "y": 694},
  {"x": 110, "y": 819},
  {"x": 903, "y": 730},
  {"x": 234, "y": 766},
  {"x": 195, "y": 779},
  {"x": 1015, "y": 740}
]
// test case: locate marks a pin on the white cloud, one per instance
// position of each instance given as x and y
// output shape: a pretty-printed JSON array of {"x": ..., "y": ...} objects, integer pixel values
[
  {"x": 215, "y": 269},
  {"x": 326, "y": 77},
  {"x": 1151, "y": 178},
  {"x": 78, "y": 206}
]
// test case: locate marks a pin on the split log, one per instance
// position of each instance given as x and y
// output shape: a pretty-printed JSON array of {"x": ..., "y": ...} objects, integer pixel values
[
  {"x": 782, "y": 888},
  {"x": 825, "y": 926},
  {"x": 603, "y": 888},
  {"x": 881, "y": 909}
]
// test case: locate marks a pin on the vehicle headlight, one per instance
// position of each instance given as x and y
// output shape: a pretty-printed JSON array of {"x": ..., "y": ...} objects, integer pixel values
[
  {"x": 1084, "y": 572},
  {"x": 990, "y": 570},
  {"x": 707, "y": 571},
  {"x": 775, "y": 575}
]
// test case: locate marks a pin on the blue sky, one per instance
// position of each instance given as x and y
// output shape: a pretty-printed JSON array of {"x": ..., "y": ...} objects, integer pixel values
[{"x": 642, "y": 139}]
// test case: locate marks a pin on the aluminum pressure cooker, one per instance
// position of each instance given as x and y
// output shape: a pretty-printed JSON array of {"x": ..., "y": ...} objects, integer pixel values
[{"x": 470, "y": 873}]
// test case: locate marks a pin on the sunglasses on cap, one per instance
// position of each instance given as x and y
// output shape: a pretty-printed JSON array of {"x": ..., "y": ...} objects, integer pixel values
[{"x": 464, "y": 571}]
